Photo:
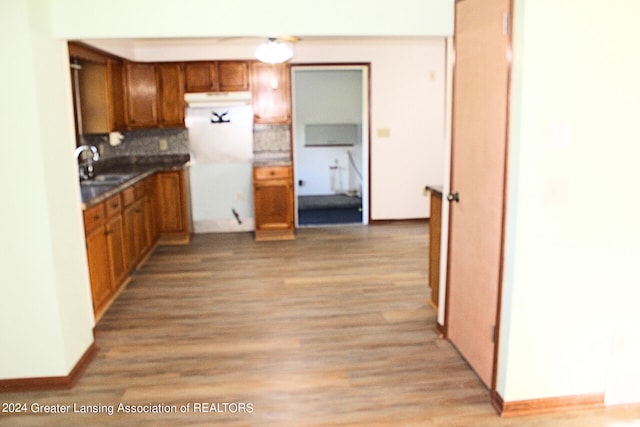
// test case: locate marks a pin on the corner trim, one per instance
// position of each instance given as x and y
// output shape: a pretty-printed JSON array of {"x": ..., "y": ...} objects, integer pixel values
[
  {"x": 550, "y": 404},
  {"x": 51, "y": 383}
]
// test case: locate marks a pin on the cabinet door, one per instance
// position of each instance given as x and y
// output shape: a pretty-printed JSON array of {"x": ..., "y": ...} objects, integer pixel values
[
  {"x": 201, "y": 76},
  {"x": 233, "y": 76},
  {"x": 170, "y": 202},
  {"x": 273, "y": 205},
  {"x": 115, "y": 80},
  {"x": 115, "y": 246},
  {"x": 129, "y": 225},
  {"x": 171, "y": 95},
  {"x": 93, "y": 97},
  {"x": 271, "y": 93},
  {"x": 99, "y": 274},
  {"x": 142, "y": 95}
]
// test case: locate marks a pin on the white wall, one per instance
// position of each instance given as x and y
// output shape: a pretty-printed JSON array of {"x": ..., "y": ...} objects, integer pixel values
[
  {"x": 408, "y": 79},
  {"x": 572, "y": 286},
  {"x": 324, "y": 97},
  {"x": 407, "y": 98},
  {"x": 45, "y": 303},
  {"x": 205, "y": 18}
]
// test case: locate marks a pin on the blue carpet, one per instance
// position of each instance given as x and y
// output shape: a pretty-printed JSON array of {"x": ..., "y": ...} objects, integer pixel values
[{"x": 324, "y": 216}]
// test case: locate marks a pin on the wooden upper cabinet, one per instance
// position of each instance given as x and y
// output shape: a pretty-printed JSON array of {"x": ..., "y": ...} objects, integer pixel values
[
  {"x": 271, "y": 93},
  {"x": 93, "y": 94},
  {"x": 171, "y": 94},
  {"x": 142, "y": 95},
  {"x": 115, "y": 85},
  {"x": 233, "y": 76},
  {"x": 201, "y": 76},
  {"x": 216, "y": 76},
  {"x": 100, "y": 90}
]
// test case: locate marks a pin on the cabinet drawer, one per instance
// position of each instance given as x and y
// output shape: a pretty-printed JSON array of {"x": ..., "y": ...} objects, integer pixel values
[
  {"x": 128, "y": 196},
  {"x": 93, "y": 217},
  {"x": 113, "y": 205},
  {"x": 271, "y": 172}
]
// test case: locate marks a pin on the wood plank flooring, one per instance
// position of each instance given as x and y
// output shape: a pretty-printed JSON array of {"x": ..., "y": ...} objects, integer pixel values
[{"x": 331, "y": 329}]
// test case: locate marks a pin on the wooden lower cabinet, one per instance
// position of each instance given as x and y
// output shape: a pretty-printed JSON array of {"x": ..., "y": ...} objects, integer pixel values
[
  {"x": 435, "y": 226},
  {"x": 114, "y": 230},
  {"x": 273, "y": 203},
  {"x": 99, "y": 274},
  {"x": 172, "y": 207},
  {"x": 121, "y": 231}
]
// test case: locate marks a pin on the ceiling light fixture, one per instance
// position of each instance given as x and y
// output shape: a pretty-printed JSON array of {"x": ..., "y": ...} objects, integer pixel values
[{"x": 273, "y": 52}]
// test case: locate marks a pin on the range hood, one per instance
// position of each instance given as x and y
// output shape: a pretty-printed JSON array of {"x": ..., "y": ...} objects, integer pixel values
[{"x": 217, "y": 99}]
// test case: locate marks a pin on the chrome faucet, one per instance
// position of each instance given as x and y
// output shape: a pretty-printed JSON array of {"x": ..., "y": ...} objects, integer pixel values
[{"x": 86, "y": 172}]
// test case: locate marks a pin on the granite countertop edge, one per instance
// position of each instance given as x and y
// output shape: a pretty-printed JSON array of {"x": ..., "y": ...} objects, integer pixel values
[{"x": 139, "y": 166}]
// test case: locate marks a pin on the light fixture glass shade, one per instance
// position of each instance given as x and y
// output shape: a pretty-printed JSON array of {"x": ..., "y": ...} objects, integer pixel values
[{"x": 273, "y": 52}]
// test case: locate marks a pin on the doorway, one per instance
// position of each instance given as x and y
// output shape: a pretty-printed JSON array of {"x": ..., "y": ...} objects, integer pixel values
[{"x": 331, "y": 144}]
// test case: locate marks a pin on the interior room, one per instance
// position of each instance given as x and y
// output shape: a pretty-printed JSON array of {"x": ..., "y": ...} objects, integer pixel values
[{"x": 221, "y": 307}]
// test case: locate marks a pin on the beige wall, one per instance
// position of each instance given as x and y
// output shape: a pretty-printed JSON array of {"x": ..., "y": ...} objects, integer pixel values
[
  {"x": 46, "y": 318},
  {"x": 571, "y": 280},
  {"x": 205, "y": 18}
]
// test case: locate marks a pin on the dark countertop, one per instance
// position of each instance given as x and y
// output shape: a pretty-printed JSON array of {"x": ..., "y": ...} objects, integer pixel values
[
  {"x": 139, "y": 167},
  {"x": 435, "y": 189}
]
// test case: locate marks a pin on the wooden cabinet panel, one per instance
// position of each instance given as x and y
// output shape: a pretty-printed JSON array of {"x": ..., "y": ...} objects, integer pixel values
[
  {"x": 271, "y": 93},
  {"x": 435, "y": 226},
  {"x": 92, "y": 80},
  {"x": 171, "y": 95},
  {"x": 93, "y": 217},
  {"x": 115, "y": 84},
  {"x": 99, "y": 273},
  {"x": 201, "y": 76},
  {"x": 216, "y": 76},
  {"x": 233, "y": 76},
  {"x": 115, "y": 245},
  {"x": 142, "y": 95},
  {"x": 169, "y": 196},
  {"x": 273, "y": 203},
  {"x": 134, "y": 232},
  {"x": 150, "y": 208}
]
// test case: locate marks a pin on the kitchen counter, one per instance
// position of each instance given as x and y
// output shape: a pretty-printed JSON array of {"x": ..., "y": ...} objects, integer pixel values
[{"x": 137, "y": 167}]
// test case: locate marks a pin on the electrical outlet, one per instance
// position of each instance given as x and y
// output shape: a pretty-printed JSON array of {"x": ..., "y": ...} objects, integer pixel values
[
  {"x": 239, "y": 196},
  {"x": 163, "y": 144}
]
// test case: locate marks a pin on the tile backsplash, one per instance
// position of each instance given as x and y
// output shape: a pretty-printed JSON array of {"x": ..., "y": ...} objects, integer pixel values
[
  {"x": 271, "y": 138},
  {"x": 268, "y": 141},
  {"x": 142, "y": 142}
]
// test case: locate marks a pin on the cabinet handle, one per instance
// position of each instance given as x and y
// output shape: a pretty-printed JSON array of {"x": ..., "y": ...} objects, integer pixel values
[{"x": 96, "y": 217}]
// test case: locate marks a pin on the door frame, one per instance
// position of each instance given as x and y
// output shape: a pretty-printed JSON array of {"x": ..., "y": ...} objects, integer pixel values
[
  {"x": 496, "y": 400},
  {"x": 365, "y": 68}
]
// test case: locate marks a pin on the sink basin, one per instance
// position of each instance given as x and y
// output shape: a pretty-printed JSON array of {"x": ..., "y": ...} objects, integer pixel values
[
  {"x": 92, "y": 183},
  {"x": 107, "y": 179},
  {"x": 113, "y": 177}
]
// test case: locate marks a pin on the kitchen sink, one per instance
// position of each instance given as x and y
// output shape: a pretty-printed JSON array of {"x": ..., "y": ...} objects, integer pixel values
[
  {"x": 113, "y": 177},
  {"x": 107, "y": 179},
  {"x": 92, "y": 183}
]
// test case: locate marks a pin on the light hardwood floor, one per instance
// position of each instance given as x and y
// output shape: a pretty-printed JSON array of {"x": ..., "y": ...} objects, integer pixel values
[{"x": 331, "y": 329}]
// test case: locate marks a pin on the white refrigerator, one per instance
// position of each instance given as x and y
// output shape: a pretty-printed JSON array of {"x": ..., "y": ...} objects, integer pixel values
[{"x": 220, "y": 127}]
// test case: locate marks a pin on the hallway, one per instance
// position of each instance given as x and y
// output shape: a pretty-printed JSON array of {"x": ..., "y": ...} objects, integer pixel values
[{"x": 331, "y": 329}]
